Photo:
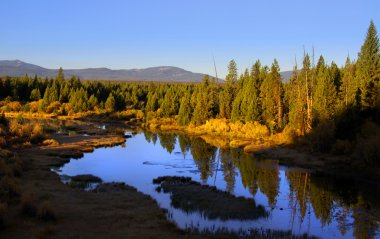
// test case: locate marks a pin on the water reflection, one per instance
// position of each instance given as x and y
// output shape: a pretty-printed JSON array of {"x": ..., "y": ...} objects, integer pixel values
[{"x": 296, "y": 200}]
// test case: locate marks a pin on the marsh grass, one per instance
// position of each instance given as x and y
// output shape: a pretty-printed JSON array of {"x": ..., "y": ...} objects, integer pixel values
[
  {"x": 28, "y": 204},
  {"x": 46, "y": 212},
  {"x": 3, "y": 214}
]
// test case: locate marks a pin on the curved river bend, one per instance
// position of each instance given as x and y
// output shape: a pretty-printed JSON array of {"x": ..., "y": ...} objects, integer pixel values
[{"x": 294, "y": 199}]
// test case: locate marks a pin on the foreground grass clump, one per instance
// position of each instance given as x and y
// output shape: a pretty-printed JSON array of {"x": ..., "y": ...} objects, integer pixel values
[
  {"x": 45, "y": 211},
  {"x": 191, "y": 196},
  {"x": 3, "y": 213},
  {"x": 28, "y": 204}
]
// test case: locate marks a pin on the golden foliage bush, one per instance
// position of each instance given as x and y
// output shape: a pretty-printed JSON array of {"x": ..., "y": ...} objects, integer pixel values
[
  {"x": 50, "y": 142},
  {"x": 287, "y": 136},
  {"x": 37, "y": 134},
  {"x": 35, "y": 106},
  {"x": 236, "y": 129},
  {"x": 53, "y": 107},
  {"x": 29, "y": 132},
  {"x": 13, "y": 106}
]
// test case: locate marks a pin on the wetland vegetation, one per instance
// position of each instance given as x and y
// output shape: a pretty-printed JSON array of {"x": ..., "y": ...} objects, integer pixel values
[{"x": 231, "y": 138}]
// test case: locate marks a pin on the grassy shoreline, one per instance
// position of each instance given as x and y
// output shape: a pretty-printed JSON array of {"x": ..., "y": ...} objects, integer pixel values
[
  {"x": 253, "y": 138},
  {"x": 46, "y": 208}
]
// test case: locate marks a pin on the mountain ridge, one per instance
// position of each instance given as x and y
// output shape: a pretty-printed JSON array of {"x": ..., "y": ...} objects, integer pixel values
[{"x": 156, "y": 73}]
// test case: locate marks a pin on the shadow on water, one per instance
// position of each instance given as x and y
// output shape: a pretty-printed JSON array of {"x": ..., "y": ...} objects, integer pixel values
[{"x": 212, "y": 203}]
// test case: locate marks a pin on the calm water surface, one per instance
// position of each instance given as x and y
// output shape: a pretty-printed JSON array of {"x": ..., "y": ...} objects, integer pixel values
[{"x": 293, "y": 199}]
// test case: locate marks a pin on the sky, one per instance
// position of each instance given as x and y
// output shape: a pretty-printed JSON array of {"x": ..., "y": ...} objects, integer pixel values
[{"x": 144, "y": 33}]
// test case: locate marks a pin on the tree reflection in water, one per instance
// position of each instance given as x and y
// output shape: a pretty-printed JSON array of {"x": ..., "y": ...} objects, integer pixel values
[{"x": 329, "y": 199}]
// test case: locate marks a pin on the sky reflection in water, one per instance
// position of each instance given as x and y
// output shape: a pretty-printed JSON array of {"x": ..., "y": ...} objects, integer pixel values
[{"x": 294, "y": 199}]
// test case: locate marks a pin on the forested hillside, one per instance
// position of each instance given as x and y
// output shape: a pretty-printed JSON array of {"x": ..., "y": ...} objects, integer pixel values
[{"x": 337, "y": 109}]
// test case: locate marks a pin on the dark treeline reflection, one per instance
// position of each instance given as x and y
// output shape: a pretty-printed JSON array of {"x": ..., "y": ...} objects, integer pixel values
[{"x": 349, "y": 203}]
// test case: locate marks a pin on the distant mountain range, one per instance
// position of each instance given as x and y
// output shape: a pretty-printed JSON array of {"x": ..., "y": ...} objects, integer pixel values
[{"x": 160, "y": 73}]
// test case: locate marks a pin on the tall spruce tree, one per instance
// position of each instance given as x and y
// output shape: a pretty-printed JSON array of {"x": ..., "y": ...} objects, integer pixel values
[
  {"x": 228, "y": 93},
  {"x": 184, "y": 114},
  {"x": 270, "y": 94},
  {"x": 349, "y": 85},
  {"x": 368, "y": 68},
  {"x": 325, "y": 92}
]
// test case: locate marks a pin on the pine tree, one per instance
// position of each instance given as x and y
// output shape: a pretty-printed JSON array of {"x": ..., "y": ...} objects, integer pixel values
[
  {"x": 78, "y": 100},
  {"x": 307, "y": 91},
  {"x": 227, "y": 95},
  {"x": 50, "y": 95},
  {"x": 168, "y": 106},
  {"x": 110, "y": 103},
  {"x": 152, "y": 102},
  {"x": 92, "y": 102},
  {"x": 349, "y": 85},
  {"x": 252, "y": 94},
  {"x": 184, "y": 115},
  {"x": 325, "y": 93},
  {"x": 35, "y": 94},
  {"x": 368, "y": 68},
  {"x": 204, "y": 102},
  {"x": 60, "y": 76},
  {"x": 271, "y": 91},
  {"x": 241, "y": 102}
]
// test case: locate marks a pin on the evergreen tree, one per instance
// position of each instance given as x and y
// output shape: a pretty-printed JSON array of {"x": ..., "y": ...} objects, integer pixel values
[
  {"x": 35, "y": 95},
  {"x": 241, "y": 102},
  {"x": 60, "y": 76},
  {"x": 51, "y": 95},
  {"x": 270, "y": 94},
  {"x": 368, "y": 68},
  {"x": 349, "y": 85},
  {"x": 110, "y": 103},
  {"x": 184, "y": 115},
  {"x": 307, "y": 92},
  {"x": 92, "y": 102},
  {"x": 152, "y": 102},
  {"x": 168, "y": 106},
  {"x": 325, "y": 93},
  {"x": 204, "y": 102},
  {"x": 227, "y": 95},
  {"x": 78, "y": 100}
]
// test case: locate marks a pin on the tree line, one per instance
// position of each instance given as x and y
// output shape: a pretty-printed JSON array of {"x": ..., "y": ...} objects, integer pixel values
[{"x": 322, "y": 100}]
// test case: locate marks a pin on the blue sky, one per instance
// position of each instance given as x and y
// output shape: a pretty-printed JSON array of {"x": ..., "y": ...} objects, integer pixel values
[{"x": 138, "y": 34}]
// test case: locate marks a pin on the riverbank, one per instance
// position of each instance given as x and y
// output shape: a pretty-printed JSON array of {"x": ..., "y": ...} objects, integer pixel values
[
  {"x": 255, "y": 139},
  {"x": 77, "y": 214},
  {"x": 286, "y": 147},
  {"x": 44, "y": 207}
]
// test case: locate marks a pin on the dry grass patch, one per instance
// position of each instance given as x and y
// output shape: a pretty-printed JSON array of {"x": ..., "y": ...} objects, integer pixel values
[
  {"x": 3, "y": 214},
  {"x": 46, "y": 212},
  {"x": 28, "y": 204}
]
